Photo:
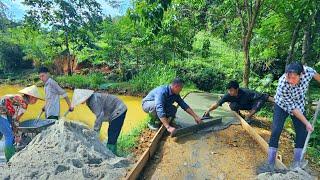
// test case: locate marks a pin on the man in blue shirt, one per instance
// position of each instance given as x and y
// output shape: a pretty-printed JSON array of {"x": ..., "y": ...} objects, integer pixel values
[{"x": 159, "y": 103}]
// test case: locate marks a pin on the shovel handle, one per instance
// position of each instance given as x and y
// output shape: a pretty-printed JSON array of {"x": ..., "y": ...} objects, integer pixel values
[
  {"x": 40, "y": 115},
  {"x": 309, "y": 133},
  {"x": 66, "y": 113},
  {"x": 38, "y": 118}
]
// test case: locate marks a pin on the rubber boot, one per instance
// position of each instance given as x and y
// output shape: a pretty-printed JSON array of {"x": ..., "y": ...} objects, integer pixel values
[
  {"x": 112, "y": 148},
  {"x": 270, "y": 164},
  {"x": 298, "y": 162},
  {"x": 272, "y": 155},
  {"x": 9, "y": 152},
  {"x": 154, "y": 123}
]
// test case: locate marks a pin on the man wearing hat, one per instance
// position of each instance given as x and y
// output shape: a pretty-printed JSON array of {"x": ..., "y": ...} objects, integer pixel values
[
  {"x": 290, "y": 100},
  {"x": 53, "y": 92},
  {"x": 107, "y": 108},
  {"x": 12, "y": 107}
]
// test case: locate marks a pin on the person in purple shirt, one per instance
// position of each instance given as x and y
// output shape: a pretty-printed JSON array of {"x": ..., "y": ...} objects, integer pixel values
[{"x": 159, "y": 104}]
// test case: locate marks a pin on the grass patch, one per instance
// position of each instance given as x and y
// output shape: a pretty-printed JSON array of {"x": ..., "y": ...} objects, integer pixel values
[
  {"x": 128, "y": 141},
  {"x": 314, "y": 154}
]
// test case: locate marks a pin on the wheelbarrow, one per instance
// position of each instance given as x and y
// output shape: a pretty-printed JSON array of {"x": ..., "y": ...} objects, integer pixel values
[
  {"x": 29, "y": 129},
  {"x": 35, "y": 125}
]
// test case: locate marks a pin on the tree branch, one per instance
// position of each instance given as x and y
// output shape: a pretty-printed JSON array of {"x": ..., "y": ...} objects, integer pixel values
[{"x": 239, "y": 12}]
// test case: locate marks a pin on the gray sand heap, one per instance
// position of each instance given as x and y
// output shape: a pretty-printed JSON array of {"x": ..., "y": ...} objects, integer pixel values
[
  {"x": 66, "y": 150},
  {"x": 297, "y": 174}
]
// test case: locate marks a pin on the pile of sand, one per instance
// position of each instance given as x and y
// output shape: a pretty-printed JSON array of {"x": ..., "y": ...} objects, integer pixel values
[
  {"x": 66, "y": 150},
  {"x": 297, "y": 174}
]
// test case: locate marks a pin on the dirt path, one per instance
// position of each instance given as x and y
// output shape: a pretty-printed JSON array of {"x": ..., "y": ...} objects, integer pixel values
[{"x": 227, "y": 154}]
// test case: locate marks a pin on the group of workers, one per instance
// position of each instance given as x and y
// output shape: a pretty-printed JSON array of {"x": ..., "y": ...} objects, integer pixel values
[
  {"x": 106, "y": 107},
  {"x": 288, "y": 100}
]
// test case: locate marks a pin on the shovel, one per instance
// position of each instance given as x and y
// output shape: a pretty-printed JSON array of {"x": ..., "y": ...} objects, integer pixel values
[
  {"x": 309, "y": 133},
  {"x": 66, "y": 113}
]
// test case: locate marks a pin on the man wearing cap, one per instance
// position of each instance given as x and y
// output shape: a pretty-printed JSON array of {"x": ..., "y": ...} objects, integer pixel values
[
  {"x": 290, "y": 100},
  {"x": 107, "y": 108},
  {"x": 241, "y": 99},
  {"x": 12, "y": 107},
  {"x": 53, "y": 92},
  {"x": 159, "y": 104}
]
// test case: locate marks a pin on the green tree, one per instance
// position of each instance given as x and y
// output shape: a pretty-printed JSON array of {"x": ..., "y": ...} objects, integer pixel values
[{"x": 75, "y": 20}]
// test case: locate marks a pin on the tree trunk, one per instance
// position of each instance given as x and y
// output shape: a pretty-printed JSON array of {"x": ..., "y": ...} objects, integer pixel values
[
  {"x": 67, "y": 46},
  {"x": 252, "y": 12},
  {"x": 246, "y": 73},
  {"x": 306, "y": 46},
  {"x": 294, "y": 38},
  {"x": 68, "y": 54}
]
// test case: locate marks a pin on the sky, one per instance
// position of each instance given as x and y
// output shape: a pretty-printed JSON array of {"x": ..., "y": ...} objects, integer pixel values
[{"x": 16, "y": 10}]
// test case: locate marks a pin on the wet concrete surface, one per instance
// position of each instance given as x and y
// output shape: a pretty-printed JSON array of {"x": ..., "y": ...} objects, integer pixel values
[{"x": 226, "y": 154}]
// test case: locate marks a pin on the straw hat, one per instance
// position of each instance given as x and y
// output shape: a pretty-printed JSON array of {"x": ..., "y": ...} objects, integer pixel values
[
  {"x": 31, "y": 91},
  {"x": 80, "y": 96}
]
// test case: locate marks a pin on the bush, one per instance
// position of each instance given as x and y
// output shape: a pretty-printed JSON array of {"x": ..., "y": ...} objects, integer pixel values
[
  {"x": 151, "y": 77},
  {"x": 204, "y": 77},
  {"x": 12, "y": 58},
  {"x": 93, "y": 80},
  {"x": 263, "y": 84}
]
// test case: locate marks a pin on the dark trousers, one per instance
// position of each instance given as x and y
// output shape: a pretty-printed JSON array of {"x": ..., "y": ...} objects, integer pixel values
[
  {"x": 279, "y": 118},
  {"x": 115, "y": 127},
  {"x": 255, "y": 105}
]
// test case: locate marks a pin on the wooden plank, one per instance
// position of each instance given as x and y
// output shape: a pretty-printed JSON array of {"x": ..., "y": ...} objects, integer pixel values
[
  {"x": 155, "y": 140},
  {"x": 264, "y": 145},
  {"x": 196, "y": 127},
  {"x": 136, "y": 170}
]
